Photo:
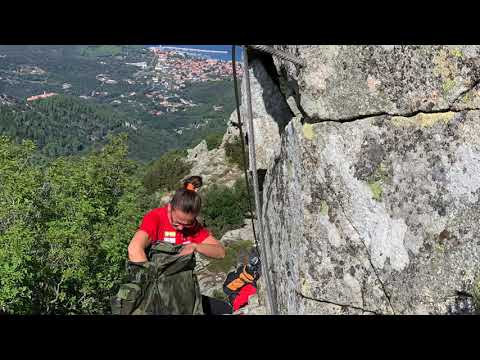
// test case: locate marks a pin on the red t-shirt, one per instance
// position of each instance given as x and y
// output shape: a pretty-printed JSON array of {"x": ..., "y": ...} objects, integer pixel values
[{"x": 158, "y": 227}]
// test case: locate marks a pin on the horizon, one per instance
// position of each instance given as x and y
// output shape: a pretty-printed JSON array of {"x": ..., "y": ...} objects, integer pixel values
[{"x": 219, "y": 56}]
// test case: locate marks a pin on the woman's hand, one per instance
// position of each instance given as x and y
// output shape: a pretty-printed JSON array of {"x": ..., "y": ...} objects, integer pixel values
[{"x": 188, "y": 249}]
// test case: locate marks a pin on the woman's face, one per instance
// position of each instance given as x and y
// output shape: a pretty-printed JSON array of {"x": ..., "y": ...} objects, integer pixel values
[{"x": 181, "y": 220}]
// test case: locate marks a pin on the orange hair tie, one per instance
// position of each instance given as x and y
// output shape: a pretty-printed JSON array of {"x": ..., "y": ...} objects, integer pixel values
[{"x": 190, "y": 187}]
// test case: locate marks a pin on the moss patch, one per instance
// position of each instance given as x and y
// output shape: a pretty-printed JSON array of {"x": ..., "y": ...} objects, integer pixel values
[
  {"x": 376, "y": 189},
  {"x": 234, "y": 254},
  {"x": 308, "y": 131}
]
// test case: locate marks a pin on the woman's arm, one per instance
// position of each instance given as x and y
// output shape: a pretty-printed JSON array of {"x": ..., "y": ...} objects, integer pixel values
[
  {"x": 137, "y": 246},
  {"x": 209, "y": 247}
]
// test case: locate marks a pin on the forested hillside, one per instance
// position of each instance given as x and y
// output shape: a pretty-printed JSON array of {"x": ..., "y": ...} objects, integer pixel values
[
  {"x": 60, "y": 125},
  {"x": 102, "y": 89},
  {"x": 67, "y": 125}
]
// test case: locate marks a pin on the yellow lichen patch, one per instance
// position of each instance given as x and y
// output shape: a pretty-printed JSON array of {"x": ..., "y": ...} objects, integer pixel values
[
  {"x": 467, "y": 98},
  {"x": 439, "y": 247},
  {"x": 376, "y": 189},
  {"x": 305, "y": 288},
  {"x": 456, "y": 52},
  {"x": 323, "y": 207},
  {"x": 423, "y": 120},
  {"x": 445, "y": 68},
  {"x": 308, "y": 131},
  {"x": 289, "y": 169},
  {"x": 448, "y": 85},
  {"x": 428, "y": 120},
  {"x": 471, "y": 99}
]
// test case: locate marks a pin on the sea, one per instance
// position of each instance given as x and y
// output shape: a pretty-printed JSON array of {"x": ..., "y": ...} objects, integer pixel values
[{"x": 217, "y": 56}]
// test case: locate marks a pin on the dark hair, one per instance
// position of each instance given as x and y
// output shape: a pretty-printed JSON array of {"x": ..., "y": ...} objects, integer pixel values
[
  {"x": 187, "y": 200},
  {"x": 195, "y": 180}
]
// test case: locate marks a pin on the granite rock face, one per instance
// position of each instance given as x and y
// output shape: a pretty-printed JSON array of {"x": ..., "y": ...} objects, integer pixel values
[
  {"x": 371, "y": 203},
  {"x": 380, "y": 215},
  {"x": 348, "y": 82},
  {"x": 270, "y": 113}
]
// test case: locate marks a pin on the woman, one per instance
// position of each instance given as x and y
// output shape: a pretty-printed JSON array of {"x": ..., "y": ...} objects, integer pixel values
[{"x": 176, "y": 223}]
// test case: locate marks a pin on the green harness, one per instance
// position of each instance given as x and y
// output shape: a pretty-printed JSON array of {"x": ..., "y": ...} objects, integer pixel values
[{"x": 165, "y": 285}]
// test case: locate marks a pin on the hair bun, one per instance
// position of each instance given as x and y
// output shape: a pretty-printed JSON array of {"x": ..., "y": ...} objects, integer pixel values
[{"x": 193, "y": 183}]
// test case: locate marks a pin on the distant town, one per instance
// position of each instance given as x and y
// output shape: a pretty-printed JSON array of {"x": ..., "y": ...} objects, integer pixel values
[
  {"x": 190, "y": 68},
  {"x": 165, "y": 76}
]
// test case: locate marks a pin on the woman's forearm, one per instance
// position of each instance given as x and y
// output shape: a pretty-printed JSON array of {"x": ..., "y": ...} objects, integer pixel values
[
  {"x": 210, "y": 250},
  {"x": 136, "y": 248},
  {"x": 137, "y": 254}
]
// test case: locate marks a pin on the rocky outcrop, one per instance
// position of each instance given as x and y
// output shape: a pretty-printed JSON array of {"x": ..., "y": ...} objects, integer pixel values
[
  {"x": 270, "y": 112},
  {"x": 211, "y": 282},
  {"x": 243, "y": 233},
  {"x": 213, "y": 165},
  {"x": 371, "y": 204}
]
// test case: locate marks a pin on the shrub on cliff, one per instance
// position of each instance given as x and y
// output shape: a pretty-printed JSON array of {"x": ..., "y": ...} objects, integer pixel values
[
  {"x": 225, "y": 208},
  {"x": 166, "y": 172},
  {"x": 233, "y": 152}
]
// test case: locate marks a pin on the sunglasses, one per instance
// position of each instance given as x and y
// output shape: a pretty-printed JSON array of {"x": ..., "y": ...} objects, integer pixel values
[{"x": 176, "y": 223}]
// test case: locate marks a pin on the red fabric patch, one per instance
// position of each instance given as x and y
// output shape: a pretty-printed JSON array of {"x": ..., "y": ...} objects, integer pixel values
[
  {"x": 158, "y": 227},
  {"x": 242, "y": 298}
]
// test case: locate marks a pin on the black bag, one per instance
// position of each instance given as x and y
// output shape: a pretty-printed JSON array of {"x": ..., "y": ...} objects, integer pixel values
[{"x": 243, "y": 275}]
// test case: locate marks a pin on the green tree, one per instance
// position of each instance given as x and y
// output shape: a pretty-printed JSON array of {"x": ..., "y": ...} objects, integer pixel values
[
  {"x": 65, "y": 228},
  {"x": 19, "y": 184}
]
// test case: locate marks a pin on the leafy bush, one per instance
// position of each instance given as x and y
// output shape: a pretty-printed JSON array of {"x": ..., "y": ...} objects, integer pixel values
[
  {"x": 65, "y": 228},
  {"x": 225, "y": 208},
  {"x": 166, "y": 173},
  {"x": 214, "y": 140},
  {"x": 233, "y": 152}
]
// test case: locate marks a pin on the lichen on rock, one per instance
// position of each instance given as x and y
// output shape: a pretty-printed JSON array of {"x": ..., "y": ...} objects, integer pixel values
[{"x": 382, "y": 213}]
